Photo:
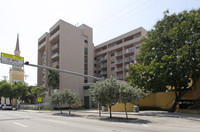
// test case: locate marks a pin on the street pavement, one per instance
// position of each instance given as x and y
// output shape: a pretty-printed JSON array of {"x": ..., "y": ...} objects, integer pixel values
[{"x": 88, "y": 121}]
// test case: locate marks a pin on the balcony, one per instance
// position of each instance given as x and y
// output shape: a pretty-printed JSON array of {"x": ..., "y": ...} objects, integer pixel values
[
  {"x": 126, "y": 67},
  {"x": 54, "y": 64},
  {"x": 55, "y": 55},
  {"x": 103, "y": 72},
  {"x": 103, "y": 65},
  {"x": 118, "y": 53},
  {"x": 119, "y": 76},
  {"x": 119, "y": 69},
  {"x": 119, "y": 61},
  {"x": 55, "y": 46},
  {"x": 127, "y": 59},
  {"x": 42, "y": 45},
  {"x": 126, "y": 74},
  {"x": 129, "y": 50},
  {"x": 103, "y": 58}
]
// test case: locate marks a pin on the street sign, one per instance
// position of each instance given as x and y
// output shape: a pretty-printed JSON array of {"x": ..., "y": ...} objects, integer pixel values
[
  {"x": 39, "y": 99},
  {"x": 12, "y": 60}
]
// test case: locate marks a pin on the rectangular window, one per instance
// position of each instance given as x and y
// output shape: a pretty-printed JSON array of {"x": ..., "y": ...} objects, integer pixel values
[
  {"x": 85, "y": 50},
  {"x": 112, "y": 54},
  {"x": 85, "y": 72},
  {"x": 85, "y": 81},
  {"x": 112, "y": 68},
  {"x": 85, "y": 59},
  {"x": 85, "y": 41},
  {"x": 138, "y": 46},
  {"x": 112, "y": 61},
  {"x": 55, "y": 30},
  {"x": 85, "y": 66},
  {"x": 95, "y": 72},
  {"x": 86, "y": 87}
]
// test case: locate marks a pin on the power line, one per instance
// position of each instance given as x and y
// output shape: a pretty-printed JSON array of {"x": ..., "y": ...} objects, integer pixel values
[
  {"x": 132, "y": 14},
  {"x": 114, "y": 14}
]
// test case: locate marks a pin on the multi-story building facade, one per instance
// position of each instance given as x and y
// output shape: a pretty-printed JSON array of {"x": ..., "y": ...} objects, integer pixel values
[
  {"x": 114, "y": 56},
  {"x": 69, "y": 48}
]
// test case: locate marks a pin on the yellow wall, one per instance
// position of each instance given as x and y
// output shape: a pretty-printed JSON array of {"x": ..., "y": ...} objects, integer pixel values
[
  {"x": 120, "y": 107},
  {"x": 16, "y": 75},
  {"x": 161, "y": 99},
  {"x": 194, "y": 94}
]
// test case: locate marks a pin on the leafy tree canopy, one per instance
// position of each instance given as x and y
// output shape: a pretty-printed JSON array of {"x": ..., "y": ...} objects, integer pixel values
[
  {"x": 106, "y": 92},
  {"x": 170, "y": 55}
]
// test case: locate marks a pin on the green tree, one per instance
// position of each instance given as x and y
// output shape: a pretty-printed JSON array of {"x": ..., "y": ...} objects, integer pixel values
[
  {"x": 53, "y": 80},
  {"x": 6, "y": 90},
  {"x": 170, "y": 55},
  {"x": 20, "y": 89},
  {"x": 71, "y": 98},
  {"x": 106, "y": 92},
  {"x": 58, "y": 99},
  {"x": 129, "y": 94},
  {"x": 97, "y": 94},
  {"x": 33, "y": 93}
]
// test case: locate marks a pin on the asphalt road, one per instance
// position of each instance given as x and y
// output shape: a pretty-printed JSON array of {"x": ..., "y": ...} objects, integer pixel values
[{"x": 33, "y": 121}]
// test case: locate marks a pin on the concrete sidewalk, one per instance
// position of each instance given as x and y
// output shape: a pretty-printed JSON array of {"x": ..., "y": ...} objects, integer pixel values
[{"x": 147, "y": 115}]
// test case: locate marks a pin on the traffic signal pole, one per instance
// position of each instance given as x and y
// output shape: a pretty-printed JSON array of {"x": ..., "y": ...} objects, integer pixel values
[{"x": 65, "y": 71}]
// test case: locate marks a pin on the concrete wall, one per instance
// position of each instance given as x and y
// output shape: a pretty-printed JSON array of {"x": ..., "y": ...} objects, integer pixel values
[{"x": 162, "y": 100}]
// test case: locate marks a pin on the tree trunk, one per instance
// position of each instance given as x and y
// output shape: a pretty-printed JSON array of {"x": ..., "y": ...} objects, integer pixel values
[
  {"x": 173, "y": 108},
  {"x": 99, "y": 110},
  {"x": 60, "y": 109},
  {"x": 177, "y": 100},
  {"x": 110, "y": 111},
  {"x": 125, "y": 111},
  {"x": 10, "y": 101},
  {"x": 69, "y": 109}
]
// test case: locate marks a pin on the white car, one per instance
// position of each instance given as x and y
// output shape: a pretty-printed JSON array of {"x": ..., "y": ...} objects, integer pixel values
[{"x": 7, "y": 107}]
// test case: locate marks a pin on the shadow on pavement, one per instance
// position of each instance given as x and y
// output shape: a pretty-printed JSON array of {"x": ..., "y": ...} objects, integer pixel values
[
  {"x": 120, "y": 119},
  {"x": 167, "y": 114},
  {"x": 65, "y": 114}
]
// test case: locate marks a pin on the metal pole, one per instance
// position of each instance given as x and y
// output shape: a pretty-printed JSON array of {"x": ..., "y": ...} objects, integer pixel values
[
  {"x": 39, "y": 107},
  {"x": 65, "y": 71}
]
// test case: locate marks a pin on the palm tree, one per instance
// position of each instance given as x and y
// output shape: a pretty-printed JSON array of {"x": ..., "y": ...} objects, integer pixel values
[{"x": 53, "y": 80}]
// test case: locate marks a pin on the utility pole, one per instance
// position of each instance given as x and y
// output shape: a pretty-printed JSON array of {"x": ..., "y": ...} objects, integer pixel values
[{"x": 5, "y": 77}]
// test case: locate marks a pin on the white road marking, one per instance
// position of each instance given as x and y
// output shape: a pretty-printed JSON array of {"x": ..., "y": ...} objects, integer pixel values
[
  {"x": 144, "y": 125},
  {"x": 20, "y": 124}
]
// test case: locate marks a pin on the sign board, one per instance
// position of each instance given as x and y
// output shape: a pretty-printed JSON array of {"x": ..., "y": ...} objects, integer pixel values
[
  {"x": 39, "y": 99},
  {"x": 12, "y": 60}
]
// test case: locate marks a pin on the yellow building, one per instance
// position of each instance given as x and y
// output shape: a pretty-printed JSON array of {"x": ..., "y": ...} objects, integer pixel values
[{"x": 15, "y": 73}]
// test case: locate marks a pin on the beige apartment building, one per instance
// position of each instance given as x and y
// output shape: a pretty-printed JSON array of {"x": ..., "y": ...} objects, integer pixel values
[
  {"x": 114, "y": 56},
  {"x": 71, "y": 48}
]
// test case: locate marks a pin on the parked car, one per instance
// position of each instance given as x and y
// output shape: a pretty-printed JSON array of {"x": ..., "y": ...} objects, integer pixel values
[
  {"x": 7, "y": 107},
  {"x": 0, "y": 106}
]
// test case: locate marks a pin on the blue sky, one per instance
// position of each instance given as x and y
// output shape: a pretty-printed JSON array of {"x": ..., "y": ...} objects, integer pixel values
[{"x": 108, "y": 18}]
